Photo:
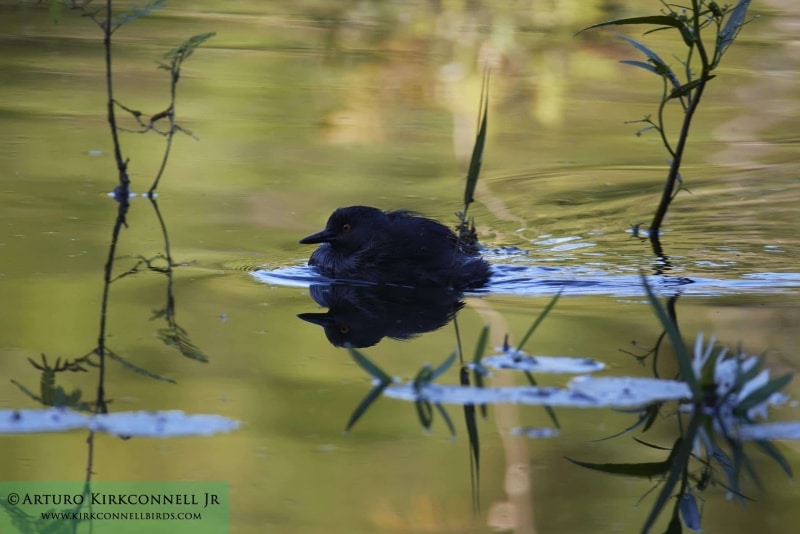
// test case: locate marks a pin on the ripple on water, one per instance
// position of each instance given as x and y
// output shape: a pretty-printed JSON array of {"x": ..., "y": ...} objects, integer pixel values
[{"x": 536, "y": 280}]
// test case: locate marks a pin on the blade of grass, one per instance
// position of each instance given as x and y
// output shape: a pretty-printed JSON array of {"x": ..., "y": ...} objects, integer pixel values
[
  {"x": 549, "y": 409},
  {"x": 679, "y": 463},
  {"x": 447, "y": 419},
  {"x": 371, "y": 397},
  {"x": 436, "y": 373},
  {"x": 763, "y": 393},
  {"x": 425, "y": 413},
  {"x": 770, "y": 450},
  {"x": 471, "y": 421},
  {"x": 681, "y": 354},
  {"x": 539, "y": 319},
  {"x": 373, "y": 370},
  {"x": 477, "y": 150}
]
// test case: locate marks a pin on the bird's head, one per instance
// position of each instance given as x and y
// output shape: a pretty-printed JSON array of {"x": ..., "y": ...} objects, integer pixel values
[{"x": 350, "y": 228}]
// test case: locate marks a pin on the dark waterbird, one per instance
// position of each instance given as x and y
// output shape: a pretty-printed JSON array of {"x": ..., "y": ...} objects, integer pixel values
[{"x": 394, "y": 247}]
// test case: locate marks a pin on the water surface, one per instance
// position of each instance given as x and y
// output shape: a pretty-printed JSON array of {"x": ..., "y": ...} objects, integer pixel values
[{"x": 302, "y": 107}]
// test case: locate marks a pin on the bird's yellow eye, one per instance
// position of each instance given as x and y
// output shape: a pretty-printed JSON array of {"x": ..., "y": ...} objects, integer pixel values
[{"x": 346, "y": 227}]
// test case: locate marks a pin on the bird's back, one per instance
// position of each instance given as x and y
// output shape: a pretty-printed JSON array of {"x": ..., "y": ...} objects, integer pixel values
[{"x": 422, "y": 252}]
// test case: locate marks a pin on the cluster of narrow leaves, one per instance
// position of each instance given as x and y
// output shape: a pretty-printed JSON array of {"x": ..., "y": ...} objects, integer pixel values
[
  {"x": 381, "y": 380},
  {"x": 54, "y": 395},
  {"x": 725, "y": 394},
  {"x": 694, "y": 22},
  {"x": 428, "y": 374}
]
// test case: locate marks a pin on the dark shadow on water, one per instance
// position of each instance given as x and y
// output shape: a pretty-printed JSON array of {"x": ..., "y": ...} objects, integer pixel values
[{"x": 363, "y": 315}]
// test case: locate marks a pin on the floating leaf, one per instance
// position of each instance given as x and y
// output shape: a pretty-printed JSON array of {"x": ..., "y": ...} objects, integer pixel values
[
  {"x": 535, "y": 432},
  {"x": 764, "y": 431},
  {"x": 582, "y": 392},
  {"x": 146, "y": 424},
  {"x": 161, "y": 424},
  {"x": 519, "y": 361}
]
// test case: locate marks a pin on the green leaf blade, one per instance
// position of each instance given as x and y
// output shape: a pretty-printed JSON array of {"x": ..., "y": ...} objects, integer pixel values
[
  {"x": 373, "y": 370},
  {"x": 477, "y": 150},
  {"x": 681, "y": 354},
  {"x": 539, "y": 319},
  {"x": 763, "y": 393},
  {"x": 362, "y": 407}
]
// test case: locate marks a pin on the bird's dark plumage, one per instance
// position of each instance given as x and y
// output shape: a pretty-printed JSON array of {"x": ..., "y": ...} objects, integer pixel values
[{"x": 394, "y": 247}]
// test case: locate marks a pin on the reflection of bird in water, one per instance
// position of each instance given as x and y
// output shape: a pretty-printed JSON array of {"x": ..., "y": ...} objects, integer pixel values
[
  {"x": 394, "y": 247},
  {"x": 363, "y": 315}
]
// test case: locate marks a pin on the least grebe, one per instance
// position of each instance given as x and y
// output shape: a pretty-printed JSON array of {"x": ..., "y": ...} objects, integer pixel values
[{"x": 394, "y": 247}]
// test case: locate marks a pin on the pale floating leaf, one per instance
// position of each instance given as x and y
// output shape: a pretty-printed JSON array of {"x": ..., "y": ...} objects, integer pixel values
[
  {"x": 629, "y": 391},
  {"x": 582, "y": 392},
  {"x": 36, "y": 421},
  {"x": 520, "y": 361},
  {"x": 166, "y": 424},
  {"x": 142, "y": 424},
  {"x": 784, "y": 430},
  {"x": 535, "y": 432}
]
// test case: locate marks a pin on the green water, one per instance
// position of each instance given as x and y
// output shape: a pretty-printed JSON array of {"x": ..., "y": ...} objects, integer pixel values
[{"x": 301, "y": 107}]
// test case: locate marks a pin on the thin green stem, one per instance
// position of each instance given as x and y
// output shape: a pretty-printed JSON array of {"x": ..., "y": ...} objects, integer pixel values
[
  {"x": 121, "y": 194},
  {"x": 701, "y": 49},
  {"x": 677, "y": 159},
  {"x": 661, "y": 126},
  {"x": 693, "y": 99}
]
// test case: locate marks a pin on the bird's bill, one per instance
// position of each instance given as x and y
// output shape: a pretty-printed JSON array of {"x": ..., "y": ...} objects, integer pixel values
[
  {"x": 320, "y": 237},
  {"x": 321, "y": 319}
]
